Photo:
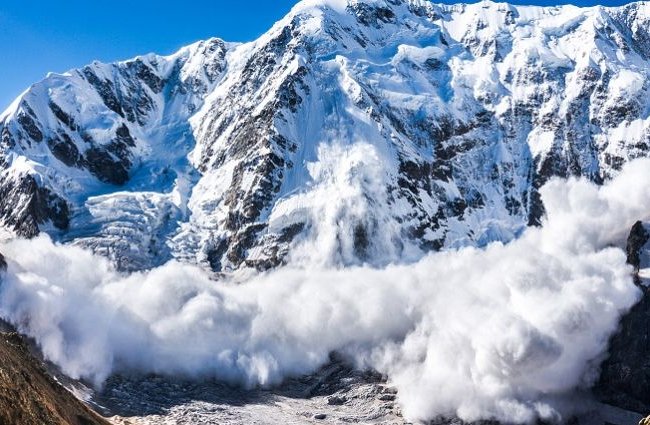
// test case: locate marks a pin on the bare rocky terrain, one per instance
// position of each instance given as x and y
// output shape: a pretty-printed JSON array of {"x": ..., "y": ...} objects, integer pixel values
[
  {"x": 336, "y": 394},
  {"x": 30, "y": 396}
]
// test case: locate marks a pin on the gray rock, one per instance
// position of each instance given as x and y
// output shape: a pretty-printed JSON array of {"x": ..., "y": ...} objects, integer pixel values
[
  {"x": 336, "y": 400},
  {"x": 387, "y": 397}
]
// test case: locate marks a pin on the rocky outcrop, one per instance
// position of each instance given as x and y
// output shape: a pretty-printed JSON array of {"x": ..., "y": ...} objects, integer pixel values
[
  {"x": 625, "y": 375},
  {"x": 29, "y": 396},
  {"x": 25, "y": 205},
  {"x": 636, "y": 241}
]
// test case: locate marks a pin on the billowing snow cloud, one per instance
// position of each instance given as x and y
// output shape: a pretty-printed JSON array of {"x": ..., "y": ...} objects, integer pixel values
[{"x": 503, "y": 332}]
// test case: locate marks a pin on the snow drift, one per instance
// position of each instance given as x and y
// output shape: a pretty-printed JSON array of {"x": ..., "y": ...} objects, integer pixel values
[{"x": 505, "y": 332}]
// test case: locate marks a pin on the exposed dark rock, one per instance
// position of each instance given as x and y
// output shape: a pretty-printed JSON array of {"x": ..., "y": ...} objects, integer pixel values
[
  {"x": 6, "y": 142},
  {"x": 62, "y": 116},
  {"x": 216, "y": 254},
  {"x": 214, "y": 48},
  {"x": 29, "y": 125},
  {"x": 242, "y": 241},
  {"x": 435, "y": 64},
  {"x": 553, "y": 165},
  {"x": 536, "y": 208},
  {"x": 288, "y": 93},
  {"x": 625, "y": 376},
  {"x": 41, "y": 205},
  {"x": 102, "y": 164},
  {"x": 369, "y": 15},
  {"x": 274, "y": 247},
  {"x": 638, "y": 237},
  {"x": 267, "y": 168},
  {"x": 105, "y": 89},
  {"x": 414, "y": 176},
  {"x": 3, "y": 263},
  {"x": 135, "y": 101},
  {"x": 124, "y": 135},
  {"x": 64, "y": 149},
  {"x": 423, "y": 11},
  {"x": 143, "y": 72}
]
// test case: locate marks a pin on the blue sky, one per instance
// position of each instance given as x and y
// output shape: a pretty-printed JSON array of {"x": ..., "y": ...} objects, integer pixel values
[{"x": 38, "y": 36}]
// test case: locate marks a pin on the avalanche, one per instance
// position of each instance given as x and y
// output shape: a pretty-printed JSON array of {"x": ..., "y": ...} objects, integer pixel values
[
  {"x": 506, "y": 332},
  {"x": 360, "y": 179}
]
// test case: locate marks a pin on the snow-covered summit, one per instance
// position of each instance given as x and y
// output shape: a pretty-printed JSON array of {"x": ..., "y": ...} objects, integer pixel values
[{"x": 353, "y": 131}]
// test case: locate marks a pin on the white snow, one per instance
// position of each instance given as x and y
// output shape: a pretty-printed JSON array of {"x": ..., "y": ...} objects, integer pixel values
[
  {"x": 541, "y": 143},
  {"x": 627, "y": 83},
  {"x": 504, "y": 330}
]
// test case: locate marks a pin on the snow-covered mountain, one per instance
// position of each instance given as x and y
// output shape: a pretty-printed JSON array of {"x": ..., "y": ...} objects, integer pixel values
[{"x": 353, "y": 131}]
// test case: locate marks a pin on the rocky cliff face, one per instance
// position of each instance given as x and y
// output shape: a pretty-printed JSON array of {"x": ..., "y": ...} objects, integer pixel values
[
  {"x": 362, "y": 130},
  {"x": 625, "y": 376}
]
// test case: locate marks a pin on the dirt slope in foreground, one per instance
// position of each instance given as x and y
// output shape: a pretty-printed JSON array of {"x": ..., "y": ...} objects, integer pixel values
[{"x": 28, "y": 396}]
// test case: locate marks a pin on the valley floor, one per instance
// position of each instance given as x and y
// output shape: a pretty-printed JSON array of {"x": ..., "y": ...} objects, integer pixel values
[{"x": 335, "y": 394}]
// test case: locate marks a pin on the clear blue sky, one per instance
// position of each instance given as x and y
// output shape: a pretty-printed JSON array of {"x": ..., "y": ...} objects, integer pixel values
[{"x": 38, "y": 36}]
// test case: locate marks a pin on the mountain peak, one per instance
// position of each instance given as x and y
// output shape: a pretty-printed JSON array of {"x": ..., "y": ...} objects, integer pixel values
[
  {"x": 342, "y": 5},
  {"x": 447, "y": 118}
]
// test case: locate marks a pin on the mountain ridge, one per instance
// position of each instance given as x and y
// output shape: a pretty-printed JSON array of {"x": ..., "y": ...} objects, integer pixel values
[{"x": 430, "y": 126}]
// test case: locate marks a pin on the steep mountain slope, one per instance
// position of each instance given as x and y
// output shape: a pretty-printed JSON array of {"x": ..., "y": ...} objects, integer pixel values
[
  {"x": 29, "y": 396},
  {"x": 353, "y": 131}
]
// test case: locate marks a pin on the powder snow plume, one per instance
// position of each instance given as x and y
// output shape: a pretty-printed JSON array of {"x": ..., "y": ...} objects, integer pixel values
[{"x": 505, "y": 332}]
